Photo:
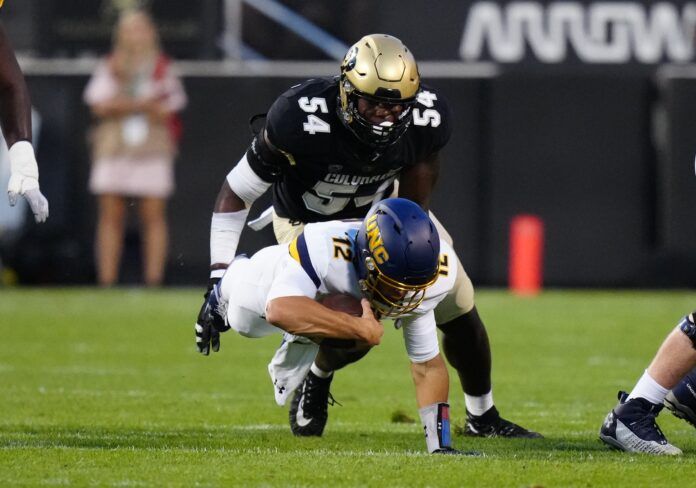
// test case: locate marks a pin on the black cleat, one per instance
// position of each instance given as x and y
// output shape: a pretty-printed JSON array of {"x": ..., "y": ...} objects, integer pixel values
[
  {"x": 681, "y": 401},
  {"x": 631, "y": 427},
  {"x": 309, "y": 407},
  {"x": 491, "y": 424}
]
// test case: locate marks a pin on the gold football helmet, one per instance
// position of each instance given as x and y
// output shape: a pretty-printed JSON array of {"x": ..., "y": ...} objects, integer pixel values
[{"x": 381, "y": 70}]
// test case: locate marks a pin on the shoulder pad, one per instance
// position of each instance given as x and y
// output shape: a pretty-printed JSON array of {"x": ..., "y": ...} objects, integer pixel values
[
  {"x": 311, "y": 250},
  {"x": 301, "y": 113},
  {"x": 431, "y": 126}
]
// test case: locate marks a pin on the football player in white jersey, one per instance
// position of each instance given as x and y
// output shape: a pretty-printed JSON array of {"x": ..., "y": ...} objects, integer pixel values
[{"x": 394, "y": 260}]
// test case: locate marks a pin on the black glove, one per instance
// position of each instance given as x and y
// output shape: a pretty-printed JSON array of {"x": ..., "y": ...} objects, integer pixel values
[{"x": 209, "y": 324}]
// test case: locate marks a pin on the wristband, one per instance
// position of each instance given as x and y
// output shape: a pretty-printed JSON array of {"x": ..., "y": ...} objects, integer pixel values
[{"x": 23, "y": 160}]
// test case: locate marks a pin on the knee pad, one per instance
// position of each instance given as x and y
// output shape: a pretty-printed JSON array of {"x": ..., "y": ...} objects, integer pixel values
[{"x": 688, "y": 327}]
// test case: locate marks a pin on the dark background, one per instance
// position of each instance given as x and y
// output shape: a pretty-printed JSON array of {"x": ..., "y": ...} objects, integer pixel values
[{"x": 602, "y": 153}]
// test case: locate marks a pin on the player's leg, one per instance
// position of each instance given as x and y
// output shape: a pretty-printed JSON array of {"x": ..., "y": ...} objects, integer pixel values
[
  {"x": 681, "y": 400},
  {"x": 631, "y": 425},
  {"x": 466, "y": 347},
  {"x": 309, "y": 407},
  {"x": 109, "y": 241},
  {"x": 155, "y": 238}
]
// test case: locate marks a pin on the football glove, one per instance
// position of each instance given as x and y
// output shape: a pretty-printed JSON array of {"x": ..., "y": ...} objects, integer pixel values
[
  {"x": 24, "y": 179},
  {"x": 210, "y": 322}
]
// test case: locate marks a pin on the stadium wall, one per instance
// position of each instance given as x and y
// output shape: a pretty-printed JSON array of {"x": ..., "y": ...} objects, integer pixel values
[{"x": 603, "y": 157}]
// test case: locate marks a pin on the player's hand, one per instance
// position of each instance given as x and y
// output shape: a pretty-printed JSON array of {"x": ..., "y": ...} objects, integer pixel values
[
  {"x": 371, "y": 327},
  {"x": 207, "y": 335},
  {"x": 24, "y": 180}
]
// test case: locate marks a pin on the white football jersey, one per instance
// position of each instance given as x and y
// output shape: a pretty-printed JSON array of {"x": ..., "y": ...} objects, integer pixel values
[
  {"x": 319, "y": 262},
  {"x": 328, "y": 261}
]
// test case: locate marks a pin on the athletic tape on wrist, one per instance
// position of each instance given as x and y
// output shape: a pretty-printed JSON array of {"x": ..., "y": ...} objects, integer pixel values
[
  {"x": 23, "y": 160},
  {"x": 436, "y": 424},
  {"x": 245, "y": 183},
  {"x": 225, "y": 229}
]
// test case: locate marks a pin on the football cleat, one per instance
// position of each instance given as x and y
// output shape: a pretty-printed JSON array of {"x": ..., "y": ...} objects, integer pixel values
[
  {"x": 310, "y": 405},
  {"x": 631, "y": 427},
  {"x": 491, "y": 424},
  {"x": 681, "y": 401}
]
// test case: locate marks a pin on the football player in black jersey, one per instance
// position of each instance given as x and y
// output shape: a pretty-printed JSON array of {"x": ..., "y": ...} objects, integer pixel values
[{"x": 332, "y": 146}]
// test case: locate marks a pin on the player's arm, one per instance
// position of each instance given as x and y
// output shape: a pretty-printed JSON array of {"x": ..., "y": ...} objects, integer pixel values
[
  {"x": 290, "y": 303},
  {"x": 431, "y": 380},
  {"x": 15, "y": 119},
  {"x": 303, "y": 316},
  {"x": 260, "y": 166},
  {"x": 417, "y": 182},
  {"x": 429, "y": 134},
  {"x": 15, "y": 109},
  {"x": 427, "y": 367},
  {"x": 249, "y": 179}
]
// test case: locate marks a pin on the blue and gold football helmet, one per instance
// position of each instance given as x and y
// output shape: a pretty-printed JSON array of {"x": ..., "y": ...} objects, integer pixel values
[{"x": 397, "y": 250}]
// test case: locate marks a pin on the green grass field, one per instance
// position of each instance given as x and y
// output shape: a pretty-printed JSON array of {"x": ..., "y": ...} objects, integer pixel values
[{"x": 104, "y": 388}]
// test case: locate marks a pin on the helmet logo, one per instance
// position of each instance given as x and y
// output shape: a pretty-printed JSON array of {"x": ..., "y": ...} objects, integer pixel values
[
  {"x": 350, "y": 59},
  {"x": 375, "y": 243}
]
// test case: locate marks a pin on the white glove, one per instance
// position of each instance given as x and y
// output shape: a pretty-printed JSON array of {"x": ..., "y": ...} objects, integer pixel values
[{"x": 24, "y": 179}]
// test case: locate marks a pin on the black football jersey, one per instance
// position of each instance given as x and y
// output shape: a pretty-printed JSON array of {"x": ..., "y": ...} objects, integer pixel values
[{"x": 326, "y": 172}]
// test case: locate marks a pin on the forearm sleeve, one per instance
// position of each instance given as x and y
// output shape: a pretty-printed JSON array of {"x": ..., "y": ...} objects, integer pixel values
[{"x": 225, "y": 229}]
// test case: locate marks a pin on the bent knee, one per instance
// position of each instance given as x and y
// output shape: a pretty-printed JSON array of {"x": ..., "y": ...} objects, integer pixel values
[{"x": 459, "y": 301}]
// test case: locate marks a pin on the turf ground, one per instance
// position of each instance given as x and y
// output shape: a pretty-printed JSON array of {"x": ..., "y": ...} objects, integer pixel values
[{"x": 104, "y": 388}]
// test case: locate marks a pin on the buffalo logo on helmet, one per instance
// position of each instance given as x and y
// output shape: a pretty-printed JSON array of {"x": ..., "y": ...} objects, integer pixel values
[{"x": 350, "y": 59}]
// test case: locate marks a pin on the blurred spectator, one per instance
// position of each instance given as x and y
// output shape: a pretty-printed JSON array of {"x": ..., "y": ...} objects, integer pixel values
[{"x": 134, "y": 96}]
